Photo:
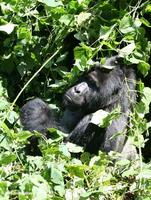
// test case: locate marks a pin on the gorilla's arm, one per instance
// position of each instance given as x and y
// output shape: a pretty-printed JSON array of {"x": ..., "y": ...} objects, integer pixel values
[
  {"x": 37, "y": 115},
  {"x": 85, "y": 133},
  {"x": 115, "y": 135},
  {"x": 79, "y": 135}
]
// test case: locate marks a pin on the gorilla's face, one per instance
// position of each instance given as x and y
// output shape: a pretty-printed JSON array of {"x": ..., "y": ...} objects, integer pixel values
[
  {"x": 97, "y": 89},
  {"x": 77, "y": 95},
  {"x": 85, "y": 92}
]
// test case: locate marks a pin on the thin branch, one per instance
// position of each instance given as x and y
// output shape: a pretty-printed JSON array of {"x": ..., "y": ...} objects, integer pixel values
[{"x": 28, "y": 82}]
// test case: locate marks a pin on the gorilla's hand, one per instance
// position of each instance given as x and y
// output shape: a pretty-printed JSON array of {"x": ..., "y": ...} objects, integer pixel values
[{"x": 36, "y": 115}]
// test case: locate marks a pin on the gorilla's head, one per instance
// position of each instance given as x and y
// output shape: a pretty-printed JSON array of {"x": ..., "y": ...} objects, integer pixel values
[{"x": 98, "y": 88}]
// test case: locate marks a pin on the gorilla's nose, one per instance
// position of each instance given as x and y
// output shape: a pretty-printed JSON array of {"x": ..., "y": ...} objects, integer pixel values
[{"x": 81, "y": 88}]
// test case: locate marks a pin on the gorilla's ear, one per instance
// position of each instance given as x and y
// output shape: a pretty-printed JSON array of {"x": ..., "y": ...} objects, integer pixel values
[
  {"x": 108, "y": 64},
  {"x": 112, "y": 62}
]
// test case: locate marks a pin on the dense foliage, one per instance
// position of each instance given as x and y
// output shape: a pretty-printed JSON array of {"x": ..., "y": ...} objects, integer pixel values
[{"x": 45, "y": 46}]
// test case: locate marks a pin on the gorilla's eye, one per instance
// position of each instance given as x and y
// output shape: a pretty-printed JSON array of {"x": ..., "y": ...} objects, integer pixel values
[{"x": 93, "y": 82}]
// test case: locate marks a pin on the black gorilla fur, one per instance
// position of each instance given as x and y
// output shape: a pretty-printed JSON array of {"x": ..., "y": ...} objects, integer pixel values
[{"x": 101, "y": 88}]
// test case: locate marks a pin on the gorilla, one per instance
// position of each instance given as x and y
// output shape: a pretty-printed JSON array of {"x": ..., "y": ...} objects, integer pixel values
[{"x": 106, "y": 87}]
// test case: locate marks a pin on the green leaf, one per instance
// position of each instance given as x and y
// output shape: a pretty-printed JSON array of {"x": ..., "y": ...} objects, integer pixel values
[
  {"x": 142, "y": 107},
  {"x": 129, "y": 173},
  {"x": 3, "y": 104},
  {"x": 75, "y": 194},
  {"x": 82, "y": 56},
  {"x": 127, "y": 50},
  {"x": 98, "y": 117},
  {"x": 60, "y": 189},
  {"x": 4, "y": 143},
  {"x": 73, "y": 148},
  {"x": 82, "y": 17},
  {"x": 56, "y": 176},
  {"x": 12, "y": 117},
  {"x": 6, "y": 158},
  {"x": 56, "y": 134},
  {"x": 8, "y": 28},
  {"x": 143, "y": 67},
  {"x": 4, "y": 190},
  {"x": 52, "y": 3},
  {"x": 23, "y": 136},
  {"x": 76, "y": 170},
  {"x": 148, "y": 8},
  {"x": 105, "y": 32},
  {"x": 66, "y": 19},
  {"x": 123, "y": 162},
  {"x": 34, "y": 185},
  {"x": 126, "y": 25},
  {"x": 146, "y": 99},
  {"x": 145, "y": 22},
  {"x": 64, "y": 149},
  {"x": 146, "y": 174},
  {"x": 107, "y": 118},
  {"x": 24, "y": 33}
]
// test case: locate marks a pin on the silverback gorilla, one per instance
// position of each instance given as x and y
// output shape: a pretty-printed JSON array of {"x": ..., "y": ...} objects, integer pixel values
[{"x": 100, "y": 88}]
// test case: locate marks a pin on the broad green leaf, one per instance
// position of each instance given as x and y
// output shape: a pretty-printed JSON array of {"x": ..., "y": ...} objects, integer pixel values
[
  {"x": 129, "y": 173},
  {"x": 137, "y": 22},
  {"x": 82, "y": 17},
  {"x": 98, "y": 117},
  {"x": 105, "y": 32},
  {"x": 146, "y": 174},
  {"x": 105, "y": 118},
  {"x": 74, "y": 194},
  {"x": 64, "y": 149},
  {"x": 35, "y": 185},
  {"x": 80, "y": 1},
  {"x": 40, "y": 192},
  {"x": 23, "y": 136},
  {"x": 56, "y": 135},
  {"x": 148, "y": 8},
  {"x": 146, "y": 22},
  {"x": 94, "y": 160},
  {"x": 7, "y": 158},
  {"x": 146, "y": 98},
  {"x": 56, "y": 176},
  {"x": 4, "y": 190},
  {"x": 73, "y": 148},
  {"x": 82, "y": 56},
  {"x": 123, "y": 162},
  {"x": 84, "y": 50},
  {"x": 140, "y": 109},
  {"x": 60, "y": 189},
  {"x": 134, "y": 60},
  {"x": 143, "y": 67},
  {"x": 66, "y": 19},
  {"x": 126, "y": 25},
  {"x": 4, "y": 143},
  {"x": 12, "y": 117},
  {"x": 127, "y": 50},
  {"x": 24, "y": 33},
  {"x": 35, "y": 162},
  {"x": 76, "y": 170},
  {"x": 52, "y": 3},
  {"x": 8, "y": 28},
  {"x": 3, "y": 104}
]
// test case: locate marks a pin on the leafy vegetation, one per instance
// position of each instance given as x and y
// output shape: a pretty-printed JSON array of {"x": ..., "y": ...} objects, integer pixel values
[{"x": 45, "y": 46}]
